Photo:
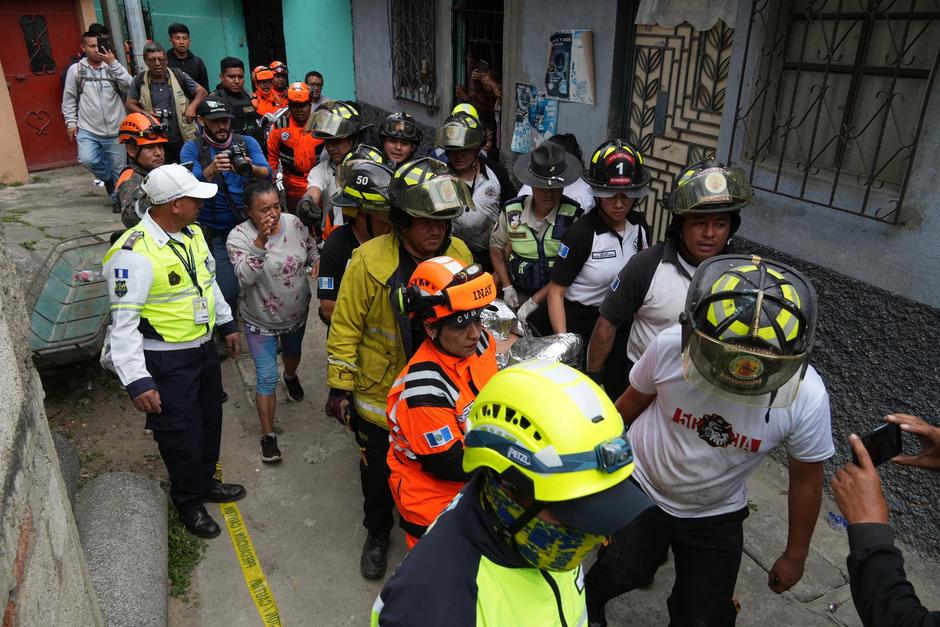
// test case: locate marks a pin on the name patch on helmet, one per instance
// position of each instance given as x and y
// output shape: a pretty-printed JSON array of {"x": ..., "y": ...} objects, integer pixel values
[
  {"x": 563, "y": 251},
  {"x": 518, "y": 456},
  {"x": 440, "y": 437}
]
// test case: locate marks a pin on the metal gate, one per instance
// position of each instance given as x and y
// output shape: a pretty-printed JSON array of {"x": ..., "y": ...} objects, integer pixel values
[
  {"x": 477, "y": 43},
  {"x": 676, "y": 99}
]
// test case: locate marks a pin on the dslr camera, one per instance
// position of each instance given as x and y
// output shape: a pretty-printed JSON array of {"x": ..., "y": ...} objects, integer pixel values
[{"x": 239, "y": 161}]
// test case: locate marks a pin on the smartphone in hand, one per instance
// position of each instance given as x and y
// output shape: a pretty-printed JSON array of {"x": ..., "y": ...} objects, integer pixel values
[{"x": 882, "y": 444}]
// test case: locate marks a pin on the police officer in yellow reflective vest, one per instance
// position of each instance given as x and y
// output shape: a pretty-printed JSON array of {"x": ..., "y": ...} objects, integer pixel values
[{"x": 164, "y": 305}]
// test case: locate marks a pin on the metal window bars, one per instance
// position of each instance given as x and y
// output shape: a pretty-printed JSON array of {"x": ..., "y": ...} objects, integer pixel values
[
  {"x": 838, "y": 101},
  {"x": 411, "y": 32},
  {"x": 36, "y": 35}
]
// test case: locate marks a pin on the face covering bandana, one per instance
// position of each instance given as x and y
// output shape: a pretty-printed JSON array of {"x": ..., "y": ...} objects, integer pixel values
[{"x": 542, "y": 544}]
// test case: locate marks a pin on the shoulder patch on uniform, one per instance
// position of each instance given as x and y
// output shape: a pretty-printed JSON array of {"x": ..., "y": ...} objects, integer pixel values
[
  {"x": 132, "y": 239},
  {"x": 325, "y": 283},
  {"x": 615, "y": 284},
  {"x": 563, "y": 251},
  {"x": 439, "y": 437}
]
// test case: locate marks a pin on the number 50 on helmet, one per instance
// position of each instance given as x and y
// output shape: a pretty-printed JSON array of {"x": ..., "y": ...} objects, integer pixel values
[{"x": 748, "y": 329}]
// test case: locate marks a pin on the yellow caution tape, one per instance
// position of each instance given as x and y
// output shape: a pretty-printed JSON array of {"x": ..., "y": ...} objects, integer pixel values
[{"x": 257, "y": 583}]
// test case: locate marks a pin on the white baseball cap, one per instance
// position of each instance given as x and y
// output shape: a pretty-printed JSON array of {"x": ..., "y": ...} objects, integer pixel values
[{"x": 172, "y": 181}]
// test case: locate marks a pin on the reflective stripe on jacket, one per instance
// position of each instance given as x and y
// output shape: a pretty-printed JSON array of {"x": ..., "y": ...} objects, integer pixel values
[
  {"x": 461, "y": 575},
  {"x": 168, "y": 313},
  {"x": 531, "y": 259},
  {"x": 428, "y": 407},
  {"x": 368, "y": 341}
]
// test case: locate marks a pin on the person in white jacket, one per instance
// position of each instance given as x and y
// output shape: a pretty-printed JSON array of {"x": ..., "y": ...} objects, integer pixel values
[{"x": 93, "y": 107}]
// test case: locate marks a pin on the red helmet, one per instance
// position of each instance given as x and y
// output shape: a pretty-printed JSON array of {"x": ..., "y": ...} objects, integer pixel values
[
  {"x": 443, "y": 289},
  {"x": 142, "y": 129}
]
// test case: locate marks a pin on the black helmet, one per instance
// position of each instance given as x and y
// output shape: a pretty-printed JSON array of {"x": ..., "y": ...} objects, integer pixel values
[
  {"x": 363, "y": 151},
  {"x": 617, "y": 167},
  {"x": 400, "y": 126},
  {"x": 460, "y": 131},
  {"x": 748, "y": 328},
  {"x": 364, "y": 185},
  {"x": 709, "y": 187},
  {"x": 336, "y": 119},
  {"x": 426, "y": 188}
]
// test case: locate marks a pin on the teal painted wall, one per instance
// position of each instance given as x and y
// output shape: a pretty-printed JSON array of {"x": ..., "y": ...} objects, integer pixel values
[
  {"x": 318, "y": 36},
  {"x": 317, "y": 33},
  {"x": 217, "y": 28}
]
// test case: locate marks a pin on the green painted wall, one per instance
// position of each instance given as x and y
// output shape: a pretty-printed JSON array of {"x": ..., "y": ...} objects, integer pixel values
[
  {"x": 318, "y": 35},
  {"x": 217, "y": 28}
]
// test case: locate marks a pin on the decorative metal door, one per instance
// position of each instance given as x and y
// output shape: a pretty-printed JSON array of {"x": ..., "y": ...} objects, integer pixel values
[
  {"x": 41, "y": 36},
  {"x": 676, "y": 99}
]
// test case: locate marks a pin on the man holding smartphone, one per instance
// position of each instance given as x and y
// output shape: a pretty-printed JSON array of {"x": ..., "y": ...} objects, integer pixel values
[
  {"x": 880, "y": 589},
  {"x": 93, "y": 107}
]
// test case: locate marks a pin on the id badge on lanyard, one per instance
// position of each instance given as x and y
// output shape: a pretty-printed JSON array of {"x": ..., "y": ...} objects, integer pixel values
[{"x": 201, "y": 310}]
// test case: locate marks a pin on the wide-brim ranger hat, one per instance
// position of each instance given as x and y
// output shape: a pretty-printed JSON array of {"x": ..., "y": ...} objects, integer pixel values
[
  {"x": 214, "y": 110},
  {"x": 547, "y": 166},
  {"x": 169, "y": 182}
]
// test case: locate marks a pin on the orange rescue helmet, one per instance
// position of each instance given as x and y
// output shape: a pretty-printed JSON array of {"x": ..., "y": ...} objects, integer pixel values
[
  {"x": 142, "y": 129},
  {"x": 298, "y": 92},
  {"x": 278, "y": 67},
  {"x": 262, "y": 73},
  {"x": 443, "y": 288}
]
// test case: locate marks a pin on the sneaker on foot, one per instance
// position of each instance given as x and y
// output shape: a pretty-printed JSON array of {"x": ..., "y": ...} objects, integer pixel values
[
  {"x": 294, "y": 390},
  {"x": 269, "y": 449}
]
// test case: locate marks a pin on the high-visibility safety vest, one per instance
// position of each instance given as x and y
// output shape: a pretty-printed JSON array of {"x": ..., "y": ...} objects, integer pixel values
[
  {"x": 531, "y": 259},
  {"x": 168, "y": 313},
  {"x": 461, "y": 573}
]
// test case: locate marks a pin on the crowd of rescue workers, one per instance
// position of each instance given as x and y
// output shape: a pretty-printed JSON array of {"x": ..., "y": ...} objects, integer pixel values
[{"x": 690, "y": 360}]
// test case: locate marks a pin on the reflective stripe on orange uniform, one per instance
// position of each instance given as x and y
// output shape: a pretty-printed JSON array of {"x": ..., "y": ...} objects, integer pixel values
[
  {"x": 297, "y": 153},
  {"x": 267, "y": 103},
  {"x": 427, "y": 414}
]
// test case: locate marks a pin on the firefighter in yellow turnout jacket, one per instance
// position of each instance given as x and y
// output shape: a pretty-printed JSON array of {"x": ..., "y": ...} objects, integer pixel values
[
  {"x": 369, "y": 343},
  {"x": 164, "y": 305}
]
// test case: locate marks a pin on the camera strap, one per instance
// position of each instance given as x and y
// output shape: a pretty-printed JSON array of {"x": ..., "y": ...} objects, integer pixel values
[{"x": 205, "y": 158}]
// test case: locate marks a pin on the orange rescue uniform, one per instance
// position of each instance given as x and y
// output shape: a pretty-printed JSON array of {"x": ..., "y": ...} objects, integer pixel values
[
  {"x": 267, "y": 103},
  {"x": 427, "y": 414},
  {"x": 296, "y": 151}
]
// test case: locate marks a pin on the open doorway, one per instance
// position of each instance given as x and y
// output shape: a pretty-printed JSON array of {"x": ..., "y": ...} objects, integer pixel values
[
  {"x": 477, "y": 44},
  {"x": 264, "y": 30}
]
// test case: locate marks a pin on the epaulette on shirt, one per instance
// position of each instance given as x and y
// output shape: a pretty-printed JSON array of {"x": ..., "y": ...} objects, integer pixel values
[
  {"x": 427, "y": 385},
  {"x": 131, "y": 240}
]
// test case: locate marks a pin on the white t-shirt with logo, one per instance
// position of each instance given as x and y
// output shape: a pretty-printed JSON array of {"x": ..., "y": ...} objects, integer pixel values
[{"x": 695, "y": 450}]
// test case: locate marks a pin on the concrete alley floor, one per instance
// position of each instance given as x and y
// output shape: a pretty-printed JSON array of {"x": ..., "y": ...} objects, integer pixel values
[{"x": 304, "y": 514}]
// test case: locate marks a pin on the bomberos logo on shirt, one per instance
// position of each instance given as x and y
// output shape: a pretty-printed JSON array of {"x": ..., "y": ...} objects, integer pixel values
[{"x": 716, "y": 431}]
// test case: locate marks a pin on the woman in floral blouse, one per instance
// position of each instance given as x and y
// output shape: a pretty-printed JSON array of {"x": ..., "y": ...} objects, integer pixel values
[{"x": 271, "y": 253}]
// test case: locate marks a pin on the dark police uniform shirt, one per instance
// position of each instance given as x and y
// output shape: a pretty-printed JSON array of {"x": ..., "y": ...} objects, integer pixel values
[
  {"x": 592, "y": 254},
  {"x": 335, "y": 256}
]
